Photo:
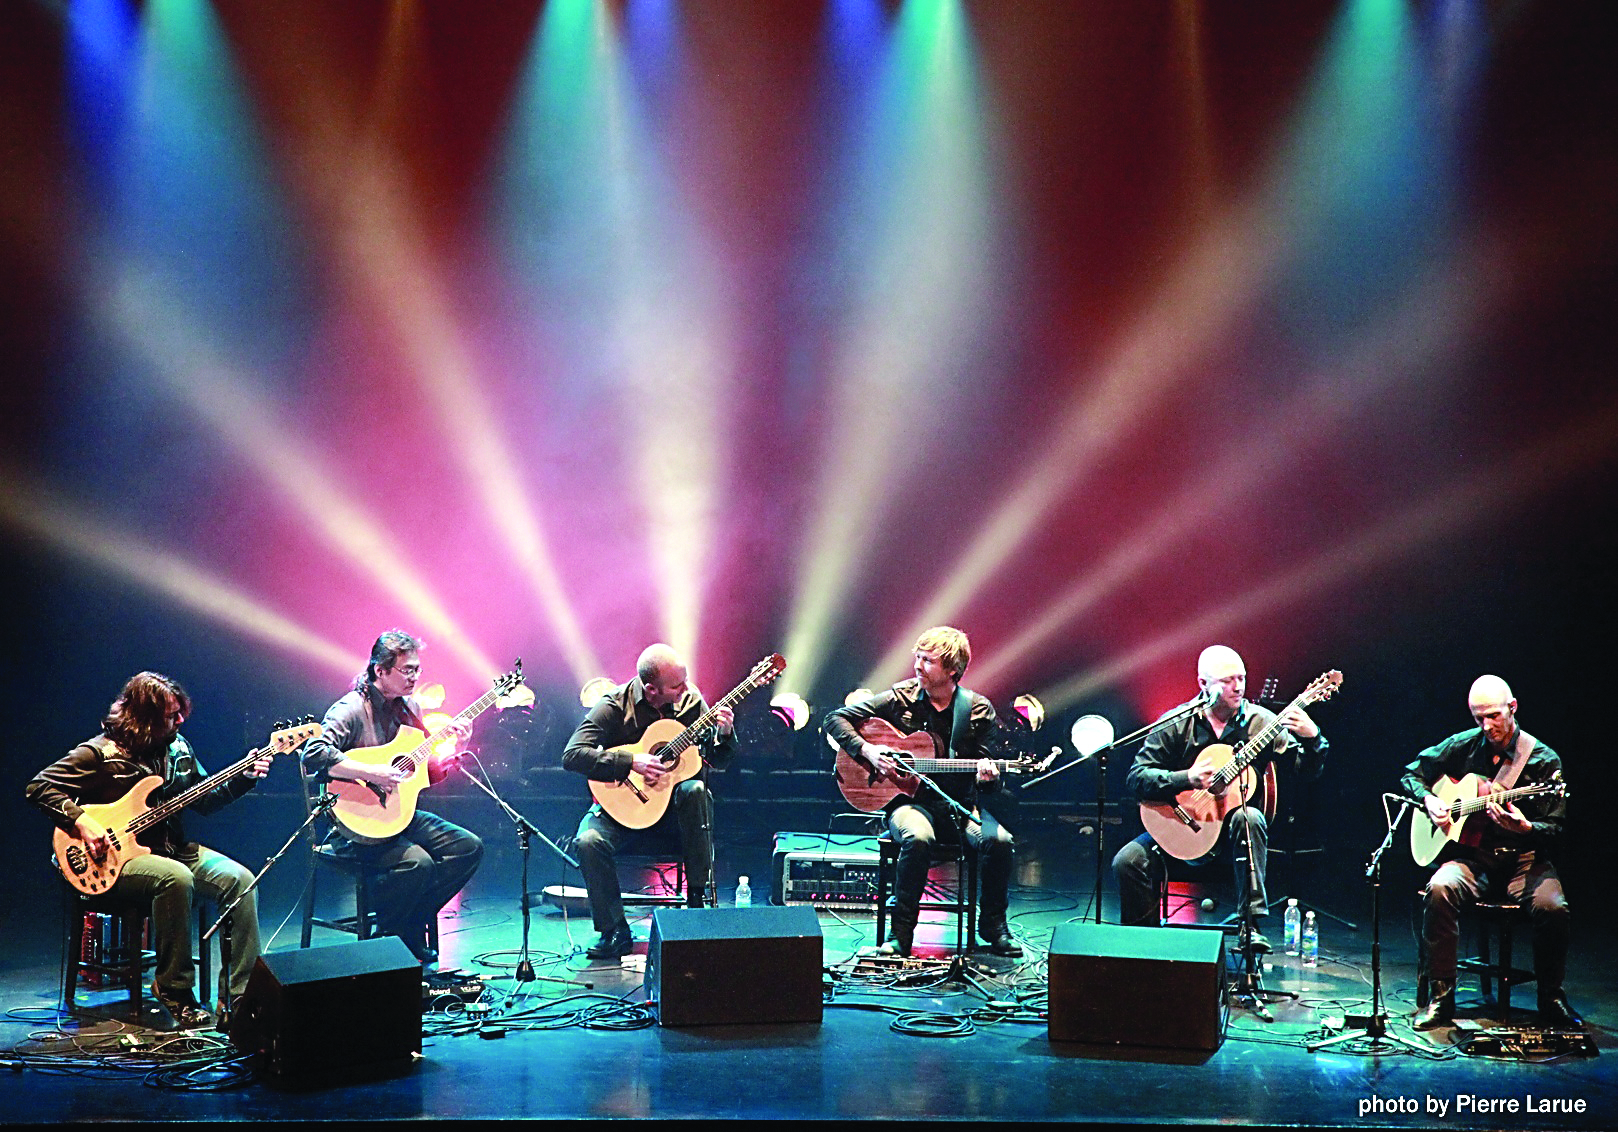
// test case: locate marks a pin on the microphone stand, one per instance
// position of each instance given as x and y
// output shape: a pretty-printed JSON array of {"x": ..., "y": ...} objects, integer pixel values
[
  {"x": 322, "y": 806},
  {"x": 525, "y": 830},
  {"x": 1375, "y": 1024},
  {"x": 1249, "y": 989},
  {"x": 1100, "y": 755}
]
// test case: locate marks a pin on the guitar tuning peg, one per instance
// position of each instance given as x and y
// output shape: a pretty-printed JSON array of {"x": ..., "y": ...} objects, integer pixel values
[{"x": 280, "y": 725}]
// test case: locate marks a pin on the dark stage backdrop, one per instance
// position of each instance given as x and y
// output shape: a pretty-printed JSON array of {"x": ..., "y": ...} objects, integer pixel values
[{"x": 1105, "y": 331}]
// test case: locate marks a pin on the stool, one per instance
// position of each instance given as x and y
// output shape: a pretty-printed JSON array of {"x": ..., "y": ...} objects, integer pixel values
[
  {"x": 1493, "y": 924},
  {"x": 128, "y": 963},
  {"x": 1499, "y": 919},
  {"x": 964, "y": 904},
  {"x": 670, "y": 896},
  {"x": 362, "y": 924}
]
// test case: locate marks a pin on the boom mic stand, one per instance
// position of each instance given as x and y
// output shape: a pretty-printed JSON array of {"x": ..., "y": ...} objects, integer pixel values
[
  {"x": 1375, "y": 1024},
  {"x": 525, "y": 830},
  {"x": 1100, "y": 755}
]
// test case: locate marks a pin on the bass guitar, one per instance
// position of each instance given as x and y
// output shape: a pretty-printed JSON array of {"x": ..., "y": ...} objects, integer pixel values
[
  {"x": 921, "y": 753},
  {"x": 1465, "y": 796},
  {"x": 127, "y": 818},
  {"x": 371, "y": 814},
  {"x": 637, "y": 804},
  {"x": 1188, "y": 827}
]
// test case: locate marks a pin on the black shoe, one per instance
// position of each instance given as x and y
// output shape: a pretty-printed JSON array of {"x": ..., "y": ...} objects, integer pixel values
[
  {"x": 1440, "y": 1008},
  {"x": 1001, "y": 943},
  {"x": 898, "y": 945},
  {"x": 1556, "y": 1012},
  {"x": 183, "y": 1008},
  {"x": 614, "y": 944}
]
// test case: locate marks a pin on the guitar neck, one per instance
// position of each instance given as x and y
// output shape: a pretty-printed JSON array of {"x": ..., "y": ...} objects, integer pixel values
[
  {"x": 688, "y": 737},
  {"x": 1256, "y": 743},
  {"x": 953, "y": 766},
  {"x": 183, "y": 799},
  {"x": 1503, "y": 797}
]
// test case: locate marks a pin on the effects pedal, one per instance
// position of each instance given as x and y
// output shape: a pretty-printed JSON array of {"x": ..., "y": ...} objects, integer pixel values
[{"x": 464, "y": 985}]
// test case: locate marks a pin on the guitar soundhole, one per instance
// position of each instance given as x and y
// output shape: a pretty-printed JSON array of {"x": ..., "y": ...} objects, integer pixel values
[{"x": 403, "y": 763}]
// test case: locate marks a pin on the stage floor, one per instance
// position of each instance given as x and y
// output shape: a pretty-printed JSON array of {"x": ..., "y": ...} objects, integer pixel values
[{"x": 569, "y": 1051}]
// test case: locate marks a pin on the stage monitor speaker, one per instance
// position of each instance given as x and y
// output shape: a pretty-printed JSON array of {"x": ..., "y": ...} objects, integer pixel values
[
  {"x": 329, "y": 1015},
  {"x": 1162, "y": 987},
  {"x": 708, "y": 966}
]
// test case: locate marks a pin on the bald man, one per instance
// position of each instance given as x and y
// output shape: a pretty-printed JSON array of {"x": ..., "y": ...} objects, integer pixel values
[
  {"x": 1512, "y": 857},
  {"x": 659, "y": 690},
  {"x": 1167, "y": 765}
]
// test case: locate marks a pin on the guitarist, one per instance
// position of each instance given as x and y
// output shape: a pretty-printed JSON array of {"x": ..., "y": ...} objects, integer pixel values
[
  {"x": 1167, "y": 765},
  {"x": 960, "y": 719},
  {"x": 420, "y": 869},
  {"x": 1512, "y": 853},
  {"x": 659, "y": 690},
  {"x": 140, "y": 737}
]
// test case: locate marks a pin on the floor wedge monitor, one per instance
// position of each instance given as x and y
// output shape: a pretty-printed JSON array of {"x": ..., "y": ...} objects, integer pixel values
[{"x": 1161, "y": 987}]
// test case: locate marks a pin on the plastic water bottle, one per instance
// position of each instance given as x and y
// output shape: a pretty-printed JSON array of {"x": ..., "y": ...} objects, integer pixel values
[
  {"x": 1311, "y": 942},
  {"x": 744, "y": 893},
  {"x": 1293, "y": 926}
]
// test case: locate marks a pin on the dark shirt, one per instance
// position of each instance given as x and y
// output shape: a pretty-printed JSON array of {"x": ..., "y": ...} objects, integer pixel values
[
  {"x": 621, "y": 717},
  {"x": 363, "y": 718},
  {"x": 1160, "y": 770},
  {"x": 1468, "y": 752},
  {"x": 99, "y": 771},
  {"x": 909, "y": 709}
]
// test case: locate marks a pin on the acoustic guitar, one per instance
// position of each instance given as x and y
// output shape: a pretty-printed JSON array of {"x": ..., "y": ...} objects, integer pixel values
[
  {"x": 1465, "y": 796},
  {"x": 637, "y": 804},
  {"x": 371, "y": 814},
  {"x": 127, "y": 818},
  {"x": 1188, "y": 827},
  {"x": 920, "y": 753}
]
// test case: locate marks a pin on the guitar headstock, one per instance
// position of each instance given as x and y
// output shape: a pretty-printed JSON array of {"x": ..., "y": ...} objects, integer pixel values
[
  {"x": 767, "y": 670},
  {"x": 1322, "y": 687},
  {"x": 291, "y": 736}
]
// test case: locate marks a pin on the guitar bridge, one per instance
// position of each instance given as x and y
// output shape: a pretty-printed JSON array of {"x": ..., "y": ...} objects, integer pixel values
[{"x": 1192, "y": 823}]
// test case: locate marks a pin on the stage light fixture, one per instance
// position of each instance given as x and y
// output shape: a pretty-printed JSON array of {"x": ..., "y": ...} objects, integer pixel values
[
  {"x": 594, "y": 689},
  {"x": 791, "y": 709},
  {"x": 1028, "y": 711},
  {"x": 1090, "y": 734}
]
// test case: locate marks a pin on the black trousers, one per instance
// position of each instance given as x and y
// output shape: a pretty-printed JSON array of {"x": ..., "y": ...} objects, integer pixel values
[
  {"x": 1141, "y": 873},
  {"x": 600, "y": 839}
]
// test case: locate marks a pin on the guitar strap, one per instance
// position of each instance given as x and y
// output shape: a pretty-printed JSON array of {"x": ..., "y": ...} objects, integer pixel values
[
  {"x": 1506, "y": 776},
  {"x": 960, "y": 715}
]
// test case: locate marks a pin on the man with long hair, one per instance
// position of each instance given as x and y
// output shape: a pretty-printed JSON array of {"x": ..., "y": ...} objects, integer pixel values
[
  {"x": 420, "y": 869},
  {"x": 140, "y": 737},
  {"x": 960, "y": 720}
]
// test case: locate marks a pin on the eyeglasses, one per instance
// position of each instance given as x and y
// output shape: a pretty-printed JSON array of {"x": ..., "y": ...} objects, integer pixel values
[{"x": 408, "y": 669}]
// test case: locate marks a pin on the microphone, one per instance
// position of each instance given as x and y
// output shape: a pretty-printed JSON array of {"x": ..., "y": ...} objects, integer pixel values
[{"x": 1406, "y": 799}]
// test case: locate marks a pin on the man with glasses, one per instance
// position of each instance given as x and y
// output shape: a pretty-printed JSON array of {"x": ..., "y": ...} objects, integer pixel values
[{"x": 422, "y": 868}]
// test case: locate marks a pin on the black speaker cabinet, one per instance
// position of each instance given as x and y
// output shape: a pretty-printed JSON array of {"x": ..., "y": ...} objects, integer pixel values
[
  {"x": 327, "y": 1015},
  {"x": 706, "y": 966},
  {"x": 1161, "y": 987}
]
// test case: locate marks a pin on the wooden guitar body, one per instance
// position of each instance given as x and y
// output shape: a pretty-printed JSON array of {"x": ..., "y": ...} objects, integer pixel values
[
  {"x": 370, "y": 816},
  {"x": 84, "y": 872},
  {"x": 1465, "y": 797},
  {"x": 1188, "y": 828},
  {"x": 620, "y": 799},
  {"x": 867, "y": 790}
]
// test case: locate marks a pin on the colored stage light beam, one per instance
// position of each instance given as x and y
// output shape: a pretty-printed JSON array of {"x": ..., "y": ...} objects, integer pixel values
[
  {"x": 624, "y": 276},
  {"x": 1516, "y": 480},
  {"x": 379, "y": 234},
  {"x": 1363, "y": 80},
  {"x": 92, "y": 538},
  {"x": 920, "y": 225},
  {"x": 149, "y": 322},
  {"x": 1430, "y": 327}
]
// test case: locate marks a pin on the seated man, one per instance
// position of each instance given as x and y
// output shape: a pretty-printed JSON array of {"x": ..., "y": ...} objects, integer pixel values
[
  {"x": 421, "y": 868},
  {"x": 960, "y": 720},
  {"x": 1168, "y": 764},
  {"x": 597, "y": 751},
  {"x": 140, "y": 737},
  {"x": 1503, "y": 851}
]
